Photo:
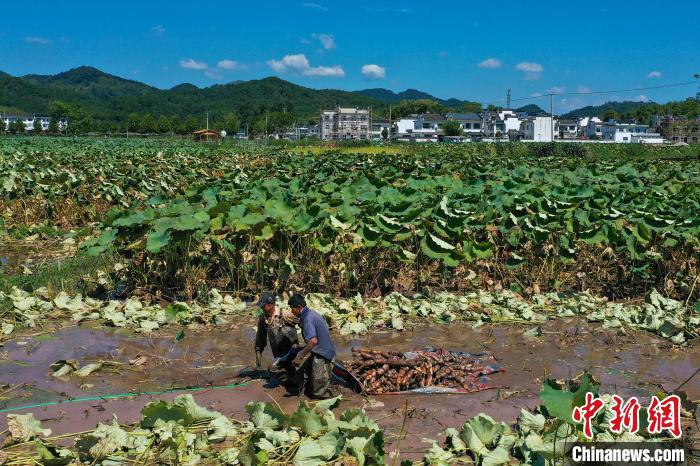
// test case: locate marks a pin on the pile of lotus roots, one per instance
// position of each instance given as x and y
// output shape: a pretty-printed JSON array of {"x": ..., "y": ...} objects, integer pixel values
[{"x": 390, "y": 371}]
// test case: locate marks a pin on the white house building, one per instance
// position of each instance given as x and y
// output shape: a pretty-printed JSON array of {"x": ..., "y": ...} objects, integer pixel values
[
  {"x": 594, "y": 128},
  {"x": 405, "y": 125},
  {"x": 430, "y": 122},
  {"x": 345, "y": 124},
  {"x": 622, "y": 132},
  {"x": 378, "y": 126},
  {"x": 566, "y": 129},
  {"x": 28, "y": 121},
  {"x": 470, "y": 123},
  {"x": 537, "y": 128}
]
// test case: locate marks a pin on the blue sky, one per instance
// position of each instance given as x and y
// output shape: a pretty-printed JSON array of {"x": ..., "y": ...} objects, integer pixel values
[{"x": 468, "y": 50}]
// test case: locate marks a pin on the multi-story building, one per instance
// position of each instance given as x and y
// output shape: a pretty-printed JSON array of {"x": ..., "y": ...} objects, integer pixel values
[
  {"x": 594, "y": 128},
  {"x": 345, "y": 124},
  {"x": 500, "y": 123},
  {"x": 469, "y": 122},
  {"x": 537, "y": 128},
  {"x": 430, "y": 122},
  {"x": 566, "y": 129},
  {"x": 378, "y": 127},
  {"x": 623, "y": 131},
  {"x": 678, "y": 129}
]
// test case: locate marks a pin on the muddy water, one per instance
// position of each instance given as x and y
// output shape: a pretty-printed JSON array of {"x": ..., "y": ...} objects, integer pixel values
[
  {"x": 632, "y": 364},
  {"x": 31, "y": 252}
]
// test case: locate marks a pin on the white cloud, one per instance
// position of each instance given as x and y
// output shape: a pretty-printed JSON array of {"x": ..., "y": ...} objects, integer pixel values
[
  {"x": 654, "y": 74},
  {"x": 536, "y": 94},
  {"x": 214, "y": 73},
  {"x": 556, "y": 90},
  {"x": 299, "y": 64},
  {"x": 532, "y": 70},
  {"x": 158, "y": 30},
  {"x": 292, "y": 63},
  {"x": 314, "y": 6},
  {"x": 191, "y": 64},
  {"x": 36, "y": 40},
  {"x": 374, "y": 71},
  {"x": 327, "y": 40},
  {"x": 231, "y": 65},
  {"x": 583, "y": 89},
  {"x": 529, "y": 67},
  {"x": 335, "y": 71},
  {"x": 641, "y": 98},
  {"x": 491, "y": 63}
]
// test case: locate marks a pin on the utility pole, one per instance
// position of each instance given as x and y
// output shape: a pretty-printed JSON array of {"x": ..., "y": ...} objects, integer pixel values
[
  {"x": 390, "y": 126},
  {"x": 697, "y": 94},
  {"x": 551, "y": 116}
]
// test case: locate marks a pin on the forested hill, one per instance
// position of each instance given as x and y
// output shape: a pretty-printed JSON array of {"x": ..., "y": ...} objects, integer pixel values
[{"x": 105, "y": 100}]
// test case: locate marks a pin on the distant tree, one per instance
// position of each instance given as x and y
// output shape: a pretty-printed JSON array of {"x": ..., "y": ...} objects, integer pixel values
[
  {"x": 176, "y": 126},
  {"x": 231, "y": 124},
  {"x": 133, "y": 122},
  {"x": 408, "y": 107},
  {"x": 79, "y": 121},
  {"x": 53, "y": 126},
  {"x": 37, "y": 127},
  {"x": 611, "y": 115},
  {"x": 164, "y": 125},
  {"x": 280, "y": 121},
  {"x": 452, "y": 128},
  {"x": 259, "y": 127},
  {"x": 59, "y": 110},
  {"x": 385, "y": 133},
  {"x": 2, "y": 126},
  {"x": 103, "y": 127},
  {"x": 471, "y": 107},
  {"x": 191, "y": 125},
  {"x": 17, "y": 127},
  {"x": 149, "y": 124}
]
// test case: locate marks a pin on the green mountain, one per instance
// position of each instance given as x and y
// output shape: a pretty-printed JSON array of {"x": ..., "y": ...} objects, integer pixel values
[
  {"x": 111, "y": 98},
  {"x": 627, "y": 106},
  {"x": 91, "y": 82},
  {"x": 390, "y": 97},
  {"x": 532, "y": 109}
]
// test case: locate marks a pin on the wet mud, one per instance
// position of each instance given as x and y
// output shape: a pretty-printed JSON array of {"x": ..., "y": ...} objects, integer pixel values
[
  {"x": 17, "y": 256},
  {"x": 635, "y": 363}
]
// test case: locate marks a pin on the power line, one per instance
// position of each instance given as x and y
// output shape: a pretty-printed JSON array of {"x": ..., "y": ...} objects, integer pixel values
[{"x": 645, "y": 88}]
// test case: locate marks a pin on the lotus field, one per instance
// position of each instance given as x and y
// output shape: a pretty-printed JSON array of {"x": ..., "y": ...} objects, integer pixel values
[
  {"x": 128, "y": 267},
  {"x": 244, "y": 219}
]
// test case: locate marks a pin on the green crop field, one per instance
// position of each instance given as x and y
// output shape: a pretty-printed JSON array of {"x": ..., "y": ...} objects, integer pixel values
[{"x": 615, "y": 220}]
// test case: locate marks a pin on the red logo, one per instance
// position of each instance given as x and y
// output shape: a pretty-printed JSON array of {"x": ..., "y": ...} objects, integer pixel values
[
  {"x": 626, "y": 415},
  {"x": 665, "y": 415},
  {"x": 587, "y": 412},
  {"x": 662, "y": 415}
]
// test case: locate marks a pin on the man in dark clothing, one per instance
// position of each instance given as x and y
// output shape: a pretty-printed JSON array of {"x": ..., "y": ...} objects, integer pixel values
[
  {"x": 314, "y": 363},
  {"x": 279, "y": 327}
]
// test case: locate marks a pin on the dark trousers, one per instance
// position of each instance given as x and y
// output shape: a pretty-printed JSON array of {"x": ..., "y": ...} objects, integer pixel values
[
  {"x": 314, "y": 377},
  {"x": 285, "y": 373}
]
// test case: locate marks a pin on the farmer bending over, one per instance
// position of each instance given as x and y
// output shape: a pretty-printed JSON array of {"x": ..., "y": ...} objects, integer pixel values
[
  {"x": 279, "y": 327},
  {"x": 314, "y": 363}
]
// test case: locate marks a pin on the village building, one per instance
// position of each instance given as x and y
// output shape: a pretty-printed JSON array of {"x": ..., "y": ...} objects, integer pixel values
[{"x": 345, "y": 124}]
